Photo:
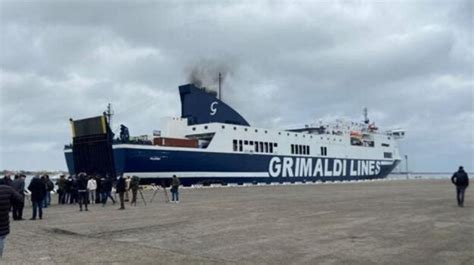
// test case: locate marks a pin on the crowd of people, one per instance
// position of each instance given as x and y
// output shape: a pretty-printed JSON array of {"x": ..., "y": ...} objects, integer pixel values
[{"x": 81, "y": 189}]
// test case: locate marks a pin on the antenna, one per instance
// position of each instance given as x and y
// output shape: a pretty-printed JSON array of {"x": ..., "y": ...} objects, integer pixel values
[
  {"x": 366, "y": 117},
  {"x": 220, "y": 86},
  {"x": 109, "y": 113}
]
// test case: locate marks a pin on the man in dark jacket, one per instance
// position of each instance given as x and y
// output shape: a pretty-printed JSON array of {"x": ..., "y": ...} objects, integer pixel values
[
  {"x": 8, "y": 196},
  {"x": 38, "y": 192},
  {"x": 49, "y": 187},
  {"x": 7, "y": 180},
  {"x": 106, "y": 186},
  {"x": 461, "y": 180},
  {"x": 83, "y": 195},
  {"x": 134, "y": 186},
  {"x": 121, "y": 188},
  {"x": 61, "y": 189},
  {"x": 19, "y": 186},
  {"x": 175, "y": 189}
]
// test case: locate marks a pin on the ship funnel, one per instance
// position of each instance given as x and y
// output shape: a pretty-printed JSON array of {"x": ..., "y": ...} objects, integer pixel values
[{"x": 199, "y": 107}]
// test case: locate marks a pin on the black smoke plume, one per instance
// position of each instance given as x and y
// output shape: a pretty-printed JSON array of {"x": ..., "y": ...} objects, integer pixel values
[{"x": 206, "y": 74}]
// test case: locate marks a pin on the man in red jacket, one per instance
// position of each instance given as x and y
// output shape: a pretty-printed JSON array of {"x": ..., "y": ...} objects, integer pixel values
[{"x": 8, "y": 196}]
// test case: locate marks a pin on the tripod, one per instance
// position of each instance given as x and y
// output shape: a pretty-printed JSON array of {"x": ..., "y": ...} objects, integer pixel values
[
  {"x": 134, "y": 202},
  {"x": 141, "y": 194},
  {"x": 156, "y": 189}
]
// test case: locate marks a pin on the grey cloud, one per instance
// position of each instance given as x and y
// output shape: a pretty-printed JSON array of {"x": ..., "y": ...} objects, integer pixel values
[{"x": 289, "y": 63}]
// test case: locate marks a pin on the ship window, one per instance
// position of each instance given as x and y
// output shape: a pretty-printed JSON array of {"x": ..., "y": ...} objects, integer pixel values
[
  {"x": 256, "y": 147},
  {"x": 304, "y": 136},
  {"x": 266, "y": 131},
  {"x": 324, "y": 151},
  {"x": 288, "y": 134},
  {"x": 279, "y": 133},
  {"x": 246, "y": 142},
  {"x": 275, "y": 144},
  {"x": 309, "y": 150},
  {"x": 235, "y": 145},
  {"x": 266, "y": 147},
  {"x": 223, "y": 126},
  {"x": 386, "y": 145},
  {"x": 387, "y": 155},
  {"x": 311, "y": 137},
  {"x": 256, "y": 130},
  {"x": 301, "y": 150},
  {"x": 292, "y": 149},
  {"x": 251, "y": 142},
  {"x": 296, "y": 135},
  {"x": 240, "y": 146},
  {"x": 194, "y": 128},
  {"x": 235, "y": 128},
  {"x": 271, "y": 148},
  {"x": 261, "y": 146},
  {"x": 205, "y": 127},
  {"x": 245, "y": 129}
]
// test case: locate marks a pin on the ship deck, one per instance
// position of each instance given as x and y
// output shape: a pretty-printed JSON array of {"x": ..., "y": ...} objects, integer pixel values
[{"x": 375, "y": 222}]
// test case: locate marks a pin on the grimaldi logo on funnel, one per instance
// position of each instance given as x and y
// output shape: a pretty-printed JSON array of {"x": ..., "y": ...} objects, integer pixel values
[{"x": 321, "y": 167}]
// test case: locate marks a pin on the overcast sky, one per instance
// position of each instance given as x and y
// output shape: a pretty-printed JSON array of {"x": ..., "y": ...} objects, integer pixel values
[{"x": 286, "y": 64}]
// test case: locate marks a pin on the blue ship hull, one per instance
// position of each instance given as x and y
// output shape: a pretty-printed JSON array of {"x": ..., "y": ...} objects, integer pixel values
[{"x": 200, "y": 167}]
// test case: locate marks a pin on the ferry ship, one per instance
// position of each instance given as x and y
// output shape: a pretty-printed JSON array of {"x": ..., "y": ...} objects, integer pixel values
[{"x": 212, "y": 143}]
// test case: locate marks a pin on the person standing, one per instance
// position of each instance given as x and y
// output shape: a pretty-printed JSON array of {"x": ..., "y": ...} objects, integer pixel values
[
  {"x": 8, "y": 196},
  {"x": 7, "y": 180},
  {"x": 19, "y": 186},
  {"x": 98, "y": 191},
  {"x": 134, "y": 186},
  {"x": 82, "y": 191},
  {"x": 74, "y": 194},
  {"x": 68, "y": 190},
  {"x": 175, "y": 189},
  {"x": 61, "y": 189},
  {"x": 121, "y": 187},
  {"x": 38, "y": 192},
  {"x": 91, "y": 187},
  {"x": 461, "y": 180},
  {"x": 107, "y": 190},
  {"x": 127, "y": 188},
  {"x": 49, "y": 188}
]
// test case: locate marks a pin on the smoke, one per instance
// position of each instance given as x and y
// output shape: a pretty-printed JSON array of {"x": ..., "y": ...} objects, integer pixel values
[{"x": 206, "y": 74}]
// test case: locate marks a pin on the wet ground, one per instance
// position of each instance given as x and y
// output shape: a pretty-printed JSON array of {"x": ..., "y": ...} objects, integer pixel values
[{"x": 377, "y": 222}]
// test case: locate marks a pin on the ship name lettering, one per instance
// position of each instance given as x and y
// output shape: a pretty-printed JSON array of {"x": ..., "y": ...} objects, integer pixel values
[{"x": 319, "y": 167}]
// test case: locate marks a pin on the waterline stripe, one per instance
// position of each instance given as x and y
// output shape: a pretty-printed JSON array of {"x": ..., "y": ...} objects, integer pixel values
[{"x": 197, "y": 174}]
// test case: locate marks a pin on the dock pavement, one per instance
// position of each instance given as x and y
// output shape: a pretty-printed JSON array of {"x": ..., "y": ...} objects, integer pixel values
[{"x": 372, "y": 222}]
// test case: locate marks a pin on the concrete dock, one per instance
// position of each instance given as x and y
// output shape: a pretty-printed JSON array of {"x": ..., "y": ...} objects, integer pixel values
[{"x": 377, "y": 222}]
